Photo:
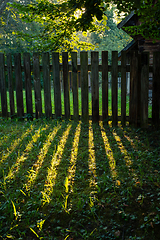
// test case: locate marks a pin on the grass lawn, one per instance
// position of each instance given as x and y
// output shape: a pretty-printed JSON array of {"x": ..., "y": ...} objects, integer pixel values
[{"x": 64, "y": 180}]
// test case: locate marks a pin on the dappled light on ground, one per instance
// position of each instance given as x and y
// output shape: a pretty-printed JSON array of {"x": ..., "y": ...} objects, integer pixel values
[
  {"x": 69, "y": 180},
  {"x": 15, "y": 144},
  {"x": 76, "y": 180},
  {"x": 15, "y": 167},
  {"x": 109, "y": 153},
  {"x": 125, "y": 154},
  {"x": 52, "y": 171},
  {"x": 32, "y": 174},
  {"x": 92, "y": 160}
]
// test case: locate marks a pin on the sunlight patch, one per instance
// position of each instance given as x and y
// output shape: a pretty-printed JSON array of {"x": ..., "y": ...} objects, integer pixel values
[
  {"x": 15, "y": 144},
  {"x": 69, "y": 181},
  {"x": 15, "y": 167},
  {"x": 92, "y": 158},
  {"x": 52, "y": 171},
  {"x": 109, "y": 153},
  {"x": 126, "y": 155},
  {"x": 32, "y": 174}
]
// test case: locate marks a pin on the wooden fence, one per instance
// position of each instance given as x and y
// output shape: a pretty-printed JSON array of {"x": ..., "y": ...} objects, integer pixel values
[{"x": 139, "y": 81}]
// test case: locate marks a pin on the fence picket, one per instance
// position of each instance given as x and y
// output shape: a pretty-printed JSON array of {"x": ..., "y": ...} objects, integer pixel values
[
  {"x": 28, "y": 87},
  {"x": 134, "y": 77},
  {"x": 156, "y": 90},
  {"x": 66, "y": 85},
  {"x": 75, "y": 85},
  {"x": 123, "y": 88},
  {"x": 144, "y": 89},
  {"x": 84, "y": 85},
  {"x": 37, "y": 85},
  {"x": 114, "y": 88},
  {"x": 3, "y": 86},
  {"x": 105, "y": 86},
  {"x": 95, "y": 86},
  {"x": 47, "y": 84},
  {"x": 57, "y": 87},
  {"x": 19, "y": 85},
  {"x": 10, "y": 84}
]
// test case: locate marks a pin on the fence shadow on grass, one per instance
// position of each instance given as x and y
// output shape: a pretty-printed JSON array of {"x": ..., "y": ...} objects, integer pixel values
[{"x": 76, "y": 179}]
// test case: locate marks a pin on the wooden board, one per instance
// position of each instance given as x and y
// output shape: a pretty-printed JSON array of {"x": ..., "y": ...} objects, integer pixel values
[
  {"x": 95, "y": 86},
  {"x": 10, "y": 85},
  {"x": 75, "y": 85},
  {"x": 84, "y": 85},
  {"x": 37, "y": 85},
  {"x": 134, "y": 78},
  {"x": 66, "y": 84},
  {"x": 56, "y": 84},
  {"x": 28, "y": 87},
  {"x": 156, "y": 90},
  {"x": 105, "y": 86},
  {"x": 114, "y": 88},
  {"x": 144, "y": 88},
  {"x": 47, "y": 84},
  {"x": 123, "y": 88},
  {"x": 19, "y": 85},
  {"x": 3, "y": 86}
]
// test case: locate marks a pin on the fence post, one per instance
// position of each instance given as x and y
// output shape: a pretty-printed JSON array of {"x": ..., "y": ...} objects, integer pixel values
[
  {"x": 57, "y": 87},
  {"x": 156, "y": 90},
  {"x": 144, "y": 89},
  {"x": 75, "y": 85},
  {"x": 47, "y": 84},
  {"x": 3, "y": 87},
  {"x": 95, "y": 86},
  {"x": 19, "y": 85},
  {"x": 105, "y": 85},
  {"x": 37, "y": 85},
  {"x": 27, "y": 76},
  {"x": 84, "y": 85},
  {"x": 123, "y": 88},
  {"x": 10, "y": 84},
  {"x": 114, "y": 88},
  {"x": 66, "y": 84},
  {"x": 134, "y": 89}
]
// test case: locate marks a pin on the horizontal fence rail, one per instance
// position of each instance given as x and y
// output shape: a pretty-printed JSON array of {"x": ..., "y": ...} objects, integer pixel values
[{"x": 48, "y": 72}]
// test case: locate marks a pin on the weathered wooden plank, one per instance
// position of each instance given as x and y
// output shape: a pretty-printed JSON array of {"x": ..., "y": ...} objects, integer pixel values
[
  {"x": 114, "y": 88},
  {"x": 19, "y": 85},
  {"x": 156, "y": 90},
  {"x": 37, "y": 85},
  {"x": 3, "y": 86},
  {"x": 75, "y": 85},
  {"x": 28, "y": 87},
  {"x": 123, "y": 88},
  {"x": 144, "y": 88},
  {"x": 56, "y": 82},
  {"x": 66, "y": 84},
  {"x": 105, "y": 86},
  {"x": 10, "y": 84},
  {"x": 84, "y": 85},
  {"x": 95, "y": 86},
  {"x": 47, "y": 84},
  {"x": 134, "y": 78}
]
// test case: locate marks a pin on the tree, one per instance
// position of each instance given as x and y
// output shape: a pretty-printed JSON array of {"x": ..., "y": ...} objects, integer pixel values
[
  {"x": 60, "y": 20},
  {"x": 10, "y": 24}
]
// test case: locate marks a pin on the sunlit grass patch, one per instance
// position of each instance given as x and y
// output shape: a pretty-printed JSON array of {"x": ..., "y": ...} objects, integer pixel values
[{"x": 89, "y": 181}]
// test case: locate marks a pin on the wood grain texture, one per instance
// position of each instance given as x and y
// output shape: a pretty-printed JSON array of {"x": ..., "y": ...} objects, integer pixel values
[
  {"x": 19, "y": 85},
  {"x": 95, "y": 86},
  {"x": 84, "y": 85},
  {"x": 56, "y": 84}
]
